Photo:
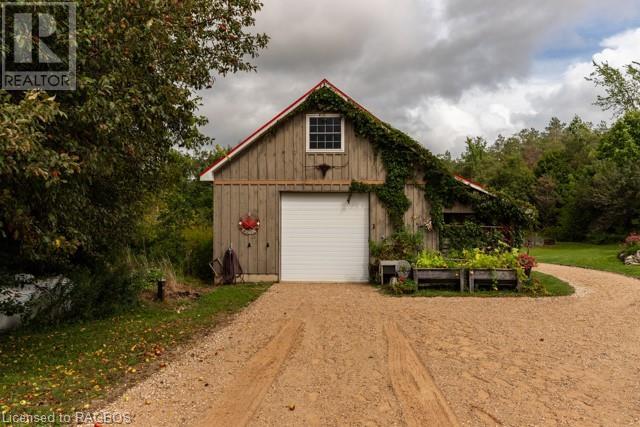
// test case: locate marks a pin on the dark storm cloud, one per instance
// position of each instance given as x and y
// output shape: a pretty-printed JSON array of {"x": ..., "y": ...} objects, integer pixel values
[{"x": 392, "y": 56}]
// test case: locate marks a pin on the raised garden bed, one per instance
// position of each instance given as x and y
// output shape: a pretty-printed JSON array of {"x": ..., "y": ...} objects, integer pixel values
[
  {"x": 501, "y": 277},
  {"x": 438, "y": 276}
]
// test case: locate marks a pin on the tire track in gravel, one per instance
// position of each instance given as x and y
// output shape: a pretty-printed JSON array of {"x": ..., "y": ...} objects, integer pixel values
[
  {"x": 242, "y": 397},
  {"x": 421, "y": 401}
]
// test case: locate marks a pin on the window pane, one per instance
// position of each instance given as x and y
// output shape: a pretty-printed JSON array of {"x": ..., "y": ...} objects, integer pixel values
[
  {"x": 325, "y": 133},
  {"x": 338, "y": 142}
]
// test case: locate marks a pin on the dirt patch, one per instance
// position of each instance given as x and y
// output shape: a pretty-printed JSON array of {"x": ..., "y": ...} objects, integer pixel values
[
  {"x": 176, "y": 291},
  {"x": 421, "y": 401},
  {"x": 242, "y": 397},
  {"x": 511, "y": 361}
]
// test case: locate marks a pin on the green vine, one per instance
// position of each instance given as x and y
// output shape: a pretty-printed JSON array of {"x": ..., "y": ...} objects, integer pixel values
[
  {"x": 403, "y": 158},
  {"x": 470, "y": 234}
]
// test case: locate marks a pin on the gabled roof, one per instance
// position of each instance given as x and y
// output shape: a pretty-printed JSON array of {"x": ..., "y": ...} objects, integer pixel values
[{"x": 207, "y": 174}]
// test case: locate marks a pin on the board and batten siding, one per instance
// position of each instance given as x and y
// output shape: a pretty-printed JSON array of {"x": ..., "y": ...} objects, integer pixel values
[{"x": 278, "y": 162}]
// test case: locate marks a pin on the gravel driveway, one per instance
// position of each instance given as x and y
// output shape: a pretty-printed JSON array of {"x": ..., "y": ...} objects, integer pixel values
[{"x": 342, "y": 354}]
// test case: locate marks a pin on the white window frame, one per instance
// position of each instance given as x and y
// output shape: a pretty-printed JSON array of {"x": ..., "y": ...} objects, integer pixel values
[{"x": 325, "y": 150}]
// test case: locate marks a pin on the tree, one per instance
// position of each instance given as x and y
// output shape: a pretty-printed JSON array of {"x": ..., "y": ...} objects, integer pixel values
[
  {"x": 615, "y": 194},
  {"x": 474, "y": 159},
  {"x": 511, "y": 174},
  {"x": 177, "y": 222},
  {"x": 622, "y": 87},
  {"x": 622, "y": 142},
  {"x": 75, "y": 169},
  {"x": 547, "y": 199}
]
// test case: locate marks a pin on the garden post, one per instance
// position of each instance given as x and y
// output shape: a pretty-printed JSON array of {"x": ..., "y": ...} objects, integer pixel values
[{"x": 161, "y": 283}]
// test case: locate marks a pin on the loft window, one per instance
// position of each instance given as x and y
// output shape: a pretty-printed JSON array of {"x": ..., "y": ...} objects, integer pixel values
[{"x": 325, "y": 132}]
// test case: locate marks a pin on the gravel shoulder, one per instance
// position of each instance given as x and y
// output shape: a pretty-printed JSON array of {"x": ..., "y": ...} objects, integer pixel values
[{"x": 336, "y": 354}]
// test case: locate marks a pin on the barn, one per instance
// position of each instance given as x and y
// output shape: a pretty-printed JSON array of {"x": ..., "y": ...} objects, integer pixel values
[{"x": 284, "y": 197}]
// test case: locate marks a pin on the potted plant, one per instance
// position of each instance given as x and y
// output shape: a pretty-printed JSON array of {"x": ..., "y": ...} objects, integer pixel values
[
  {"x": 432, "y": 268},
  {"x": 403, "y": 270}
]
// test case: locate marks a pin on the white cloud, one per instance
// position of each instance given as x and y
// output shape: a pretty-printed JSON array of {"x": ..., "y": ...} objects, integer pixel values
[
  {"x": 438, "y": 69},
  {"x": 443, "y": 124}
]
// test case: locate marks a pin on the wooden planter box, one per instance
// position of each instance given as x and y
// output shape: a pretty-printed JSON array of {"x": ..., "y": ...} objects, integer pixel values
[
  {"x": 428, "y": 276},
  {"x": 503, "y": 277}
]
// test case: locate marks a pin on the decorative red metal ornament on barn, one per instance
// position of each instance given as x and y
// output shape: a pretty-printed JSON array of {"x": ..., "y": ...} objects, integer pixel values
[{"x": 249, "y": 224}]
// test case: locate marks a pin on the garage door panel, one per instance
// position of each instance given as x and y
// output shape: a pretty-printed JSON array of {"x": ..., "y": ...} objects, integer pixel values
[{"x": 324, "y": 238}]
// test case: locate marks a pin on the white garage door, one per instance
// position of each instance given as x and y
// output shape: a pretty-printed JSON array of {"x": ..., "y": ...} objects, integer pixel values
[{"x": 324, "y": 238}]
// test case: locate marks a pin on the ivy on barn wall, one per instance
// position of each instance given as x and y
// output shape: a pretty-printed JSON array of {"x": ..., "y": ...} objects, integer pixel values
[{"x": 402, "y": 156}]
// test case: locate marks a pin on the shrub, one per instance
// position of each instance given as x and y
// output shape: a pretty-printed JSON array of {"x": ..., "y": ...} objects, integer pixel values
[
  {"x": 631, "y": 249},
  {"x": 189, "y": 250},
  {"x": 630, "y": 246},
  {"x": 403, "y": 287},
  {"x": 432, "y": 259},
  {"x": 85, "y": 294},
  {"x": 478, "y": 258},
  {"x": 198, "y": 253},
  {"x": 526, "y": 261},
  {"x": 400, "y": 245},
  {"x": 632, "y": 238},
  {"x": 534, "y": 288},
  {"x": 470, "y": 235},
  {"x": 108, "y": 289}
]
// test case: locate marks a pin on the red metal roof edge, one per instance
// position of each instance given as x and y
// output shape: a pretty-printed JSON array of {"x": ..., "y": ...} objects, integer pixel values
[
  {"x": 471, "y": 183},
  {"x": 261, "y": 128}
]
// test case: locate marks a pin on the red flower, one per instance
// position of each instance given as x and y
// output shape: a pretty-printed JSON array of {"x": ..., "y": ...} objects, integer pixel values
[
  {"x": 527, "y": 261},
  {"x": 632, "y": 238}
]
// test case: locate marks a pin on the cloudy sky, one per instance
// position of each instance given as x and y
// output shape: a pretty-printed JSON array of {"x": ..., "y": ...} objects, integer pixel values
[{"x": 439, "y": 70}]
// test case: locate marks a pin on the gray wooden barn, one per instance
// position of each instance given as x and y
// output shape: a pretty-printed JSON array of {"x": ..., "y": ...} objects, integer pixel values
[{"x": 281, "y": 199}]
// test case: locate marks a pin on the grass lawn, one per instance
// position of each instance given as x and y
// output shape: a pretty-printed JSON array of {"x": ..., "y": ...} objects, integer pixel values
[
  {"x": 597, "y": 257},
  {"x": 63, "y": 369},
  {"x": 554, "y": 287}
]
